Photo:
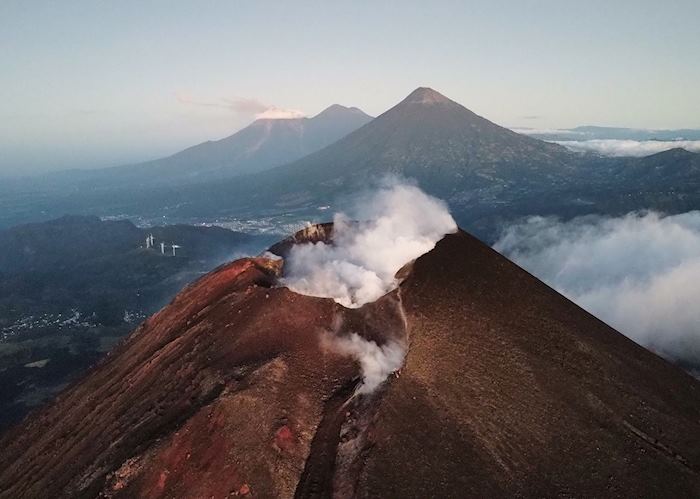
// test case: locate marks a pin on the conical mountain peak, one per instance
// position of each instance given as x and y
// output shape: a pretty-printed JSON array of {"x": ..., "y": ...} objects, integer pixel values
[
  {"x": 426, "y": 95},
  {"x": 340, "y": 111}
]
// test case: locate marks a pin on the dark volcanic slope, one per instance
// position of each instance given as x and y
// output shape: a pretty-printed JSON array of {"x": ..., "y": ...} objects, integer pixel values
[
  {"x": 508, "y": 390},
  {"x": 511, "y": 389}
]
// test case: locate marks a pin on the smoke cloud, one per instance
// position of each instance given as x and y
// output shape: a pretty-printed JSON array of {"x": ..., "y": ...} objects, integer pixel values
[
  {"x": 395, "y": 225},
  {"x": 637, "y": 148},
  {"x": 640, "y": 273}
]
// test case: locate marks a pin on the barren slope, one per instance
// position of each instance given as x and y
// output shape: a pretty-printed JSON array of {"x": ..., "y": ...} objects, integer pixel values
[{"x": 508, "y": 389}]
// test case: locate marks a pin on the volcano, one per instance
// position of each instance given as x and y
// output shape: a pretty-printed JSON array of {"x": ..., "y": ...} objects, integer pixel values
[
  {"x": 264, "y": 144},
  {"x": 507, "y": 389},
  {"x": 437, "y": 141},
  {"x": 450, "y": 151}
]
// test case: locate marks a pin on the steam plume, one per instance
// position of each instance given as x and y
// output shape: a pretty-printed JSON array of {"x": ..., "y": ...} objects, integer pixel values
[
  {"x": 399, "y": 222},
  {"x": 376, "y": 362}
]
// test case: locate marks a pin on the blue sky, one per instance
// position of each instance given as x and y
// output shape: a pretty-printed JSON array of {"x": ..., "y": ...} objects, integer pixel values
[{"x": 96, "y": 83}]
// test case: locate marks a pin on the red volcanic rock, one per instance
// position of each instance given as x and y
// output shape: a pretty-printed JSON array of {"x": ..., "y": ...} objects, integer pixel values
[
  {"x": 284, "y": 439},
  {"x": 508, "y": 390},
  {"x": 311, "y": 234}
]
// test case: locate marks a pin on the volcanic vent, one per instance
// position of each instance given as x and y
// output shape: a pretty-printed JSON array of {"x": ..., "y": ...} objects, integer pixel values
[
  {"x": 358, "y": 263},
  {"x": 243, "y": 387}
]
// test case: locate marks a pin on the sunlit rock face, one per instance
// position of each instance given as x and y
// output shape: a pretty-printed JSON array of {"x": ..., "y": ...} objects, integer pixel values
[{"x": 317, "y": 233}]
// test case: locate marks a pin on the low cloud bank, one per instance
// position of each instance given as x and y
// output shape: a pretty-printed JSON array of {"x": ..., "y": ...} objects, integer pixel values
[
  {"x": 640, "y": 273},
  {"x": 547, "y": 131},
  {"x": 636, "y": 148},
  {"x": 396, "y": 224}
]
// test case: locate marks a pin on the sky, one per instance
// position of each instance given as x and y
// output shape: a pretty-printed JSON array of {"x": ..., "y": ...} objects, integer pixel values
[{"x": 88, "y": 84}]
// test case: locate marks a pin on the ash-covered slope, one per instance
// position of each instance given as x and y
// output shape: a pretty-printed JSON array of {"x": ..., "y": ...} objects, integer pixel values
[{"x": 508, "y": 389}]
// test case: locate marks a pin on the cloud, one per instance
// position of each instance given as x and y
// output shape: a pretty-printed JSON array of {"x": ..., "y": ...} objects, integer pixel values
[
  {"x": 638, "y": 148},
  {"x": 237, "y": 105},
  {"x": 640, "y": 273},
  {"x": 546, "y": 131},
  {"x": 242, "y": 105}
]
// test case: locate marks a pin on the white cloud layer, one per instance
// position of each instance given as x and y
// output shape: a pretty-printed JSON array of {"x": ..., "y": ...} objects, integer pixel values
[
  {"x": 545, "y": 131},
  {"x": 637, "y": 148},
  {"x": 640, "y": 273}
]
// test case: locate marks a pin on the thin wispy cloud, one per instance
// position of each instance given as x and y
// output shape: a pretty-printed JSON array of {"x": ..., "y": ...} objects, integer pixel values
[{"x": 243, "y": 106}]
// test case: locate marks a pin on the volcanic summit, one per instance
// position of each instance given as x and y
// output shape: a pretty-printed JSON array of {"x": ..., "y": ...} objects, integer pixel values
[{"x": 236, "y": 388}]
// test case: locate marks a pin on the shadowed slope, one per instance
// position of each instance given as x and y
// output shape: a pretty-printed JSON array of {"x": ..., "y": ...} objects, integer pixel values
[{"x": 509, "y": 389}]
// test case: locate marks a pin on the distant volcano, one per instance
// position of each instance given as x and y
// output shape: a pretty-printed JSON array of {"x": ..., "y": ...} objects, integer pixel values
[
  {"x": 434, "y": 140},
  {"x": 262, "y": 145},
  {"x": 508, "y": 390},
  {"x": 488, "y": 174},
  {"x": 450, "y": 151}
]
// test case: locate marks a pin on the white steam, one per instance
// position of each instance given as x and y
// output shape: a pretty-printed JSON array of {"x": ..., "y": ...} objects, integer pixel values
[
  {"x": 376, "y": 362},
  {"x": 276, "y": 113},
  {"x": 640, "y": 273},
  {"x": 637, "y": 148},
  {"x": 398, "y": 224}
]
